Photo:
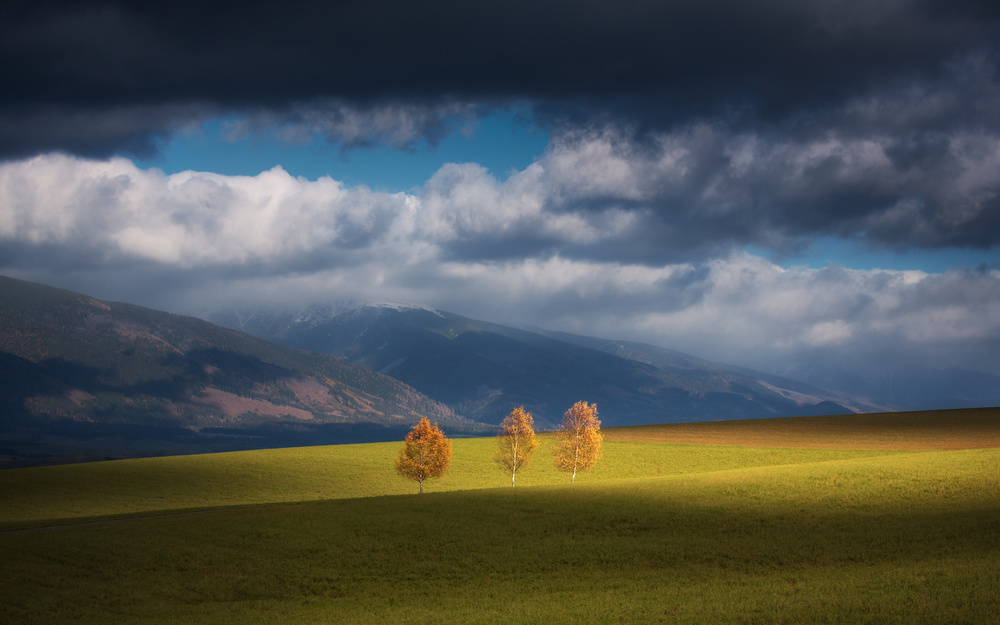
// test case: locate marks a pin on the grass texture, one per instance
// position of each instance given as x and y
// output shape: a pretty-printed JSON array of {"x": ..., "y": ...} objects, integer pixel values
[
  {"x": 970, "y": 428},
  {"x": 657, "y": 532},
  {"x": 71, "y": 493}
]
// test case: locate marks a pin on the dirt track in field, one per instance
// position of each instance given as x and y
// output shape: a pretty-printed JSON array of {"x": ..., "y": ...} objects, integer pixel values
[{"x": 973, "y": 428}]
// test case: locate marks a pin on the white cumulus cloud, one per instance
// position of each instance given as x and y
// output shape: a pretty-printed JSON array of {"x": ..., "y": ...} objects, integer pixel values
[{"x": 192, "y": 241}]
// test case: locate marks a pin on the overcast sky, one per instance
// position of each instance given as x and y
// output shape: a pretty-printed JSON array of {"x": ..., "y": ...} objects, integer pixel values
[{"x": 765, "y": 183}]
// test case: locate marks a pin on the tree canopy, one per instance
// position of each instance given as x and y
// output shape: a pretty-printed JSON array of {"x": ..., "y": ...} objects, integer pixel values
[
  {"x": 426, "y": 454},
  {"x": 515, "y": 442},
  {"x": 579, "y": 437}
]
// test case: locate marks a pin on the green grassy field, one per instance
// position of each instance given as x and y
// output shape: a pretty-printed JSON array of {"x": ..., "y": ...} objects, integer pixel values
[
  {"x": 70, "y": 493},
  {"x": 657, "y": 532}
]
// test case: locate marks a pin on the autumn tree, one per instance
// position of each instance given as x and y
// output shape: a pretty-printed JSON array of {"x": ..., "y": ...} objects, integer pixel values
[
  {"x": 579, "y": 439},
  {"x": 515, "y": 442},
  {"x": 427, "y": 453}
]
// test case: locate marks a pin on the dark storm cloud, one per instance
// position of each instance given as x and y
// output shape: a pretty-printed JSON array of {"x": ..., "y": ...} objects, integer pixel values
[
  {"x": 679, "y": 130},
  {"x": 94, "y": 131},
  {"x": 656, "y": 62},
  {"x": 695, "y": 191}
]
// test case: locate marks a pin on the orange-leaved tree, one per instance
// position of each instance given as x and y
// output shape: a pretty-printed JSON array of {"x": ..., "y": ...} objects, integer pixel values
[
  {"x": 580, "y": 438},
  {"x": 515, "y": 442},
  {"x": 427, "y": 453}
]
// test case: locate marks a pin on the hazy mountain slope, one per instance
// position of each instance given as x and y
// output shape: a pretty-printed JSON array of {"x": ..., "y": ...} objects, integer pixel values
[
  {"x": 483, "y": 370},
  {"x": 914, "y": 387},
  {"x": 669, "y": 359},
  {"x": 69, "y": 357}
]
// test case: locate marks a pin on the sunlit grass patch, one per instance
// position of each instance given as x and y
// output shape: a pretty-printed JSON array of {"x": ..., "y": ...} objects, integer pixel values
[
  {"x": 153, "y": 485},
  {"x": 655, "y": 532},
  {"x": 900, "y": 538},
  {"x": 924, "y": 430}
]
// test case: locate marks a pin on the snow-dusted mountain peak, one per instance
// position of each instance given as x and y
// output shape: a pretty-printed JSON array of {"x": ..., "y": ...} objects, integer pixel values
[{"x": 318, "y": 314}]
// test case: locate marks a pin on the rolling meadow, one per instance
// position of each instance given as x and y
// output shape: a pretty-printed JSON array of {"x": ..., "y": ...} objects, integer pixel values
[{"x": 856, "y": 519}]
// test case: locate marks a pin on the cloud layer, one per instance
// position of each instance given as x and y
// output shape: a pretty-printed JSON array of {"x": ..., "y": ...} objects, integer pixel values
[
  {"x": 543, "y": 247},
  {"x": 681, "y": 134},
  {"x": 110, "y": 76}
]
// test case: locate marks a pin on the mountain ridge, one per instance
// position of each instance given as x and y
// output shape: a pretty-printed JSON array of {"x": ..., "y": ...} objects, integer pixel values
[
  {"x": 784, "y": 385},
  {"x": 75, "y": 364},
  {"x": 483, "y": 369}
]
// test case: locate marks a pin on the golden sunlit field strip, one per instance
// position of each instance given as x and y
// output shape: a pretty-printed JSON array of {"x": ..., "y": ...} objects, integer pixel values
[
  {"x": 925, "y": 430},
  {"x": 68, "y": 493},
  {"x": 657, "y": 532}
]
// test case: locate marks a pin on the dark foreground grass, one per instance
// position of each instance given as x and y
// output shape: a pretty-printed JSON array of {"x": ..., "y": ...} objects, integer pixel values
[{"x": 894, "y": 539}]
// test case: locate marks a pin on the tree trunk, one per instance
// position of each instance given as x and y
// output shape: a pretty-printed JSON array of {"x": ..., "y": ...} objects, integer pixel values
[
  {"x": 513, "y": 462},
  {"x": 576, "y": 457},
  {"x": 421, "y": 486}
]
